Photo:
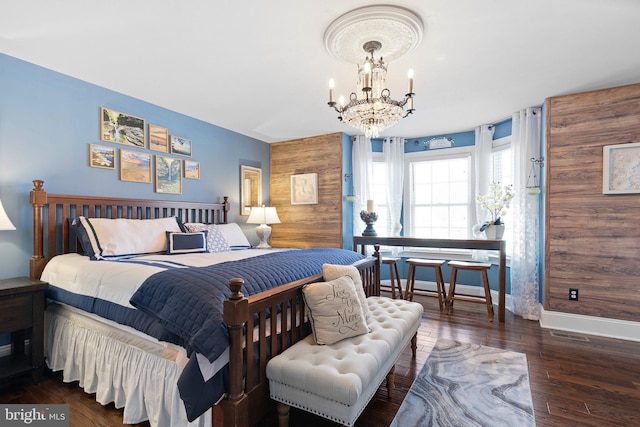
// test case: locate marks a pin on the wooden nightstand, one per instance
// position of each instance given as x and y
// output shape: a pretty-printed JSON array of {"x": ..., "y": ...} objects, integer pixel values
[{"x": 21, "y": 308}]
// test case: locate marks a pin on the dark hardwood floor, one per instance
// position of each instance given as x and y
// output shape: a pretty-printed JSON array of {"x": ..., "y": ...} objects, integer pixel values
[{"x": 576, "y": 380}]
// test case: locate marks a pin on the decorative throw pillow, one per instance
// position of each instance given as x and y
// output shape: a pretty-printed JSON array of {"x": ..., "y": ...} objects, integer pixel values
[
  {"x": 104, "y": 238},
  {"x": 216, "y": 241},
  {"x": 334, "y": 310},
  {"x": 186, "y": 243},
  {"x": 234, "y": 235},
  {"x": 333, "y": 271}
]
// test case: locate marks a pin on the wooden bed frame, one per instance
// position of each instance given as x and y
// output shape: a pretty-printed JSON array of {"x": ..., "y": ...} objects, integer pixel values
[{"x": 247, "y": 400}]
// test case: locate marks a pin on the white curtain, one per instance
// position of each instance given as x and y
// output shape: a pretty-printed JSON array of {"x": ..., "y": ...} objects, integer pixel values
[
  {"x": 483, "y": 176},
  {"x": 393, "y": 154},
  {"x": 483, "y": 173},
  {"x": 525, "y": 143},
  {"x": 362, "y": 179}
]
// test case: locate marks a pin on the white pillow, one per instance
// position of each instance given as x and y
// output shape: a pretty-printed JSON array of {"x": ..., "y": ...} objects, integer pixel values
[
  {"x": 216, "y": 241},
  {"x": 234, "y": 235},
  {"x": 334, "y": 310},
  {"x": 333, "y": 271},
  {"x": 117, "y": 237}
]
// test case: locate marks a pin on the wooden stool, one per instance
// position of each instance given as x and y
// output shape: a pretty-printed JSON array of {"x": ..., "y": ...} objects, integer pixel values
[
  {"x": 439, "y": 293},
  {"x": 393, "y": 272},
  {"x": 473, "y": 266}
]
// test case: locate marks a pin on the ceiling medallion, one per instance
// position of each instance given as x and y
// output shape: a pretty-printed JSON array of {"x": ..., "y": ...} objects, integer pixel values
[
  {"x": 387, "y": 31},
  {"x": 398, "y": 29}
]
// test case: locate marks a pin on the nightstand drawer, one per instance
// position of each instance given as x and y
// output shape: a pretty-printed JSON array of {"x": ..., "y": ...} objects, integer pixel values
[{"x": 16, "y": 313}]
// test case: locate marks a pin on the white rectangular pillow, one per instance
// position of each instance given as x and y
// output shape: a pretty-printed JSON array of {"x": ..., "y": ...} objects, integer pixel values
[
  {"x": 118, "y": 237},
  {"x": 234, "y": 235}
]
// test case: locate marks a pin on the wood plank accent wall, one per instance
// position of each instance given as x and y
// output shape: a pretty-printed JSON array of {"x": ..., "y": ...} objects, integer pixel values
[
  {"x": 306, "y": 226},
  {"x": 592, "y": 240}
]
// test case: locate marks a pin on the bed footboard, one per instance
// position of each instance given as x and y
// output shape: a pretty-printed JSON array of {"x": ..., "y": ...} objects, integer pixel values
[{"x": 247, "y": 400}]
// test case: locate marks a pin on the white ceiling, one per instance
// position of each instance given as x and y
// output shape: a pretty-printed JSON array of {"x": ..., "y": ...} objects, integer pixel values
[{"x": 260, "y": 67}]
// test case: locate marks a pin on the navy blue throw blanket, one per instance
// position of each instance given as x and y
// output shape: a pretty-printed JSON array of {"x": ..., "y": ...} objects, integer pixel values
[{"x": 188, "y": 302}]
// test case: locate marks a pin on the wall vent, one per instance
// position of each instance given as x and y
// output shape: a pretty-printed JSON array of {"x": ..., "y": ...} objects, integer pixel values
[{"x": 569, "y": 336}]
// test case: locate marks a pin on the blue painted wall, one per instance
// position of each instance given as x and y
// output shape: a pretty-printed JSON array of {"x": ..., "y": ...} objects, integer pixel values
[{"x": 48, "y": 120}]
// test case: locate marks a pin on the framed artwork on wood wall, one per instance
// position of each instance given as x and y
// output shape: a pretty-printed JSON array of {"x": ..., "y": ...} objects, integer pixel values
[
  {"x": 304, "y": 189},
  {"x": 101, "y": 156},
  {"x": 621, "y": 168}
]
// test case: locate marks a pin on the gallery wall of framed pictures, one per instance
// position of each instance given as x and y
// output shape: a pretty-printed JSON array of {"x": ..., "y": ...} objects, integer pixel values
[{"x": 137, "y": 162}]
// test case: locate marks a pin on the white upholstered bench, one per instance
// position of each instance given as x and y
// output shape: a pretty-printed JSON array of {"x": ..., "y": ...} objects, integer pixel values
[{"x": 337, "y": 381}]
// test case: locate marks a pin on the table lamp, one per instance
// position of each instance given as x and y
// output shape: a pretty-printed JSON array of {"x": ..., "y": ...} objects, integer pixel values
[
  {"x": 263, "y": 216},
  {"x": 5, "y": 222}
]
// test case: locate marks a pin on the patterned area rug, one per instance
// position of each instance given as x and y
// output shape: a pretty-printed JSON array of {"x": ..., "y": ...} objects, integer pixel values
[{"x": 469, "y": 385}]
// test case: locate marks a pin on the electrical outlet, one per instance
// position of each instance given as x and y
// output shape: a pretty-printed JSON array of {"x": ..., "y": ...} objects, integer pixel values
[{"x": 573, "y": 294}]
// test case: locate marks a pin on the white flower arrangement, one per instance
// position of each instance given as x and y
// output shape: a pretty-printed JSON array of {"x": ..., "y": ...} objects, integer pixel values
[{"x": 496, "y": 201}]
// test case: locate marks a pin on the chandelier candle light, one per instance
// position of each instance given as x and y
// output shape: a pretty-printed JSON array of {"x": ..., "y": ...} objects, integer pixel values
[
  {"x": 371, "y": 109},
  {"x": 263, "y": 216}
]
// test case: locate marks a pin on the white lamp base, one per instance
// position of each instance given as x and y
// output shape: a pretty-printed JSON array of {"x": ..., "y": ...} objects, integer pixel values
[{"x": 264, "y": 232}]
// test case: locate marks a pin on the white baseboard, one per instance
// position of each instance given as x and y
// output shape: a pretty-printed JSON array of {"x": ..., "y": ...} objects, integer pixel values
[{"x": 590, "y": 325}]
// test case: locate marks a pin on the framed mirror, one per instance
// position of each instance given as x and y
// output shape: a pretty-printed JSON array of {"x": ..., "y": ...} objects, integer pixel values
[{"x": 250, "y": 188}]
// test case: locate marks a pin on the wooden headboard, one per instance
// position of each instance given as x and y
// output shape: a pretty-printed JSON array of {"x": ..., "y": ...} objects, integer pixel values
[{"x": 52, "y": 214}]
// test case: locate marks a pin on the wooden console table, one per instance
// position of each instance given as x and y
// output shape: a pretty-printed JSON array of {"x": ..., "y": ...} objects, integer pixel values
[{"x": 488, "y": 245}]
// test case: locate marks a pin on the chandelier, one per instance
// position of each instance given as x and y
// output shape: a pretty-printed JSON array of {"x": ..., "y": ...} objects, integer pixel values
[
  {"x": 371, "y": 109},
  {"x": 383, "y": 31}
]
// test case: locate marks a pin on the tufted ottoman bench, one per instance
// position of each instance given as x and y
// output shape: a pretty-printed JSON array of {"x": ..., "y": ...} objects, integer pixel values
[{"x": 337, "y": 381}]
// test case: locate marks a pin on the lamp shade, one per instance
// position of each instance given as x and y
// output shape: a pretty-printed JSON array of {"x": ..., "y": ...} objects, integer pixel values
[
  {"x": 263, "y": 215},
  {"x": 5, "y": 222}
]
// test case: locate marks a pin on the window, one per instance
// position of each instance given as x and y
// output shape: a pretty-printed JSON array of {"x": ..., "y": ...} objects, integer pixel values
[
  {"x": 438, "y": 195},
  {"x": 379, "y": 190}
]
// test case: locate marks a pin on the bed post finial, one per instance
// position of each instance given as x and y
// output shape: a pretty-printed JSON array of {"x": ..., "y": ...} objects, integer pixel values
[
  {"x": 37, "y": 198},
  {"x": 235, "y": 285}
]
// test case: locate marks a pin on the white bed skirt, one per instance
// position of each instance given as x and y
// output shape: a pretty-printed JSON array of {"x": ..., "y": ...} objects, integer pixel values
[{"x": 118, "y": 367}]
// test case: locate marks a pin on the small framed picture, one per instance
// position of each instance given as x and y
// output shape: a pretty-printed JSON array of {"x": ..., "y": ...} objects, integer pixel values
[
  {"x": 181, "y": 146},
  {"x": 158, "y": 138},
  {"x": 121, "y": 128},
  {"x": 304, "y": 189},
  {"x": 101, "y": 156},
  {"x": 168, "y": 175},
  {"x": 191, "y": 169},
  {"x": 621, "y": 168},
  {"x": 135, "y": 166}
]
